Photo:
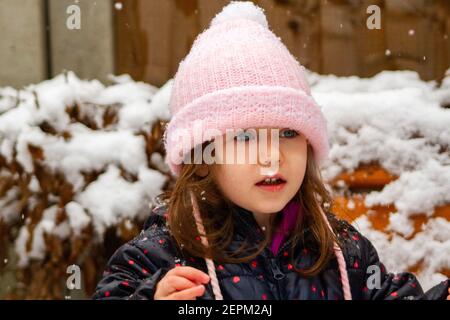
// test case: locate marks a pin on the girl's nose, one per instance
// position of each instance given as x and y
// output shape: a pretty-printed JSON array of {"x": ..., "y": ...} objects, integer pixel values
[
  {"x": 271, "y": 155},
  {"x": 272, "y": 159}
]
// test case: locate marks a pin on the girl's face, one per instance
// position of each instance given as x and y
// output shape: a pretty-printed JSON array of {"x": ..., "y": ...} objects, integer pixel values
[{"x": 239, "y": 182}]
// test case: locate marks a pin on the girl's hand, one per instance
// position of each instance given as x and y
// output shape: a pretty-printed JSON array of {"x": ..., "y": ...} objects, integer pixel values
[
  {"x": 181, "y": 283},
  {"x": 448, "y": 297}
]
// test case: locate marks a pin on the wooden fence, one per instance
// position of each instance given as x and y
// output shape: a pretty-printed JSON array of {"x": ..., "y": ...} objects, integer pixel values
[
  {"x": 148, "y": 38},
  {"x": 327, "y": 36}
]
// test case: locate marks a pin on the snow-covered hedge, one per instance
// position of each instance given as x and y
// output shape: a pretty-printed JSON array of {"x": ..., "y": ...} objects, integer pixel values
[
  {"x": 78, "y": 158},
  {"x": 402, "y": 123}
]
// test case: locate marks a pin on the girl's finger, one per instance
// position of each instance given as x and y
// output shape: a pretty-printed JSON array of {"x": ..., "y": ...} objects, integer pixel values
[
  {"x": 176, "y": 283},
  {"x": 188, "y": 294},
  {"x": 190, "y": 273}
]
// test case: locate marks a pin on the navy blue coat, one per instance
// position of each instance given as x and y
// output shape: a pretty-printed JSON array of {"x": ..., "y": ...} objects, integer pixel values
[{"x": 136, "y": 267}]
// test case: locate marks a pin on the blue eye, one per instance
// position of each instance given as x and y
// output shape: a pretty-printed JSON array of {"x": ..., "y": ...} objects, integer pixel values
[
  {"x": 290, "y": 133},
  {"x": 243, "y": 136}
]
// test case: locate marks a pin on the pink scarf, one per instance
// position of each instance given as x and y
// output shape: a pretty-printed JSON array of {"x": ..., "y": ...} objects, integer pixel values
[{"x": 290, "y": 214}]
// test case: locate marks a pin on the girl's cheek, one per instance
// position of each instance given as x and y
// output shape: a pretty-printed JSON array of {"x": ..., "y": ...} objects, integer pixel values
[
  {"x": 225, "y": 178},
  {"x": 233, "y": 181},
  {"x": 295, "y": 148}
]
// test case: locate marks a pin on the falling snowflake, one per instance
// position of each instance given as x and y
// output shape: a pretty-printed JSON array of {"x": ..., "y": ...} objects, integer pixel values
[{"x": 351, "y": 204}]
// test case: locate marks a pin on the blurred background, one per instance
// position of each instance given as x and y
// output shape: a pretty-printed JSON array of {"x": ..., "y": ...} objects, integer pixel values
[
  {"x": 84, "y": 91},
  {"x": 148, "y": 38}
]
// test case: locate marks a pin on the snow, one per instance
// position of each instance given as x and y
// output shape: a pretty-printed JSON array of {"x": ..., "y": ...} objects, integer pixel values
[
  {"x": 9, "y": 207},
  {"x": 78, "y": 218},
  {"x": 118, "y": 6},
  {"x": 87, "y": 150},
  {"x": 396, "y": 120},
  {"x": 385, "y": 80},
  {"x": 429, "y": 247},
  {"x": 47, "y": 225},
  {"x": 419, "y": 191},
  {"x": 120, "y": 199},
  {"x": 116, "y": 152}
]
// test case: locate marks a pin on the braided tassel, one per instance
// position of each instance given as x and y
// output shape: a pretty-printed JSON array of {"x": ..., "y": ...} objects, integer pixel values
[
  {"x": 209, "y": 262},
  {"x": 341, "y": 263}
]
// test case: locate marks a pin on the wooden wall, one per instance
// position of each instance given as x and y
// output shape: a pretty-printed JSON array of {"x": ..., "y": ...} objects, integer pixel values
[
  {"x": 148, "y": 38},
  {"x": 35, "y": 43},
  {"x": 88, "y": 51},
  {"x": 327, "y": 36},
  {"x": 22, "y": 42}
]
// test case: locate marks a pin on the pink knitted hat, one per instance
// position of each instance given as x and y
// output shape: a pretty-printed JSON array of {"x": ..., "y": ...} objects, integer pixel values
[{"x": 239, "y": 75}]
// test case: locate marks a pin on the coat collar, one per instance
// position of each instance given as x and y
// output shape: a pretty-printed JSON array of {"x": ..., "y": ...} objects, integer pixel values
[
  {"x": 246, "y": 224},
  {"x": 246, "y": 227}
]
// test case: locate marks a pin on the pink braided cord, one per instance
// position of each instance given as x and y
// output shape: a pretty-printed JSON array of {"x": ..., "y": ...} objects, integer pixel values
[
  {"x": 341, "y": 263},
  {"x": 209, "y": 262}
]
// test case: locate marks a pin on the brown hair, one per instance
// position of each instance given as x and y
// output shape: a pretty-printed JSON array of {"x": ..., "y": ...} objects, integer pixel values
[{"x": 219, "y": 224}]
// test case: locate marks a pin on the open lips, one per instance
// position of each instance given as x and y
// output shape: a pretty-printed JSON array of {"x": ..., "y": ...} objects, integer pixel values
[{"x": 272, "y": 184}]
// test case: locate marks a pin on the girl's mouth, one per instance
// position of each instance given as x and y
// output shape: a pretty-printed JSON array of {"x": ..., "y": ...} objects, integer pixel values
[{"x": 272, "y": 184}]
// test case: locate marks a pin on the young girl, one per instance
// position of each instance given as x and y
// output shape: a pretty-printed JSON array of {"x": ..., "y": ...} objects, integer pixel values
[{"x": 251, "y": 230}]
